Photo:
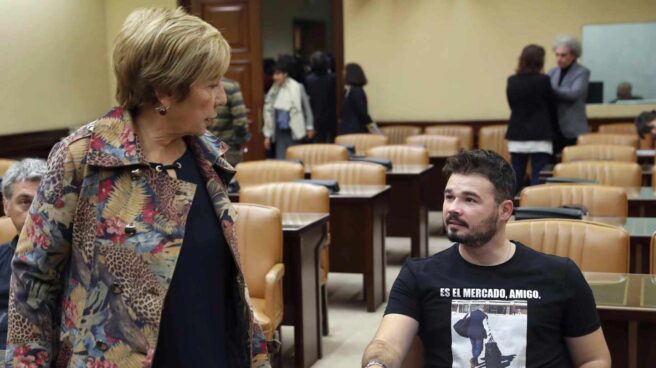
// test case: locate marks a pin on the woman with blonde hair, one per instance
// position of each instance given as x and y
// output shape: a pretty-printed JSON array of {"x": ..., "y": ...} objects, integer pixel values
[{"x": 129, "y": 256}]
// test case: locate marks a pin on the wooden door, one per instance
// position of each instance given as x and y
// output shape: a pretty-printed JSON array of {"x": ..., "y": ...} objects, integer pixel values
[{"x": 239, "y": 22}]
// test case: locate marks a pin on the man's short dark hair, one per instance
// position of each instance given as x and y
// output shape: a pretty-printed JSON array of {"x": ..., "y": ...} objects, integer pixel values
[
  {"x": 643, "y": 120},
  {"x": 488, "y": 164}
]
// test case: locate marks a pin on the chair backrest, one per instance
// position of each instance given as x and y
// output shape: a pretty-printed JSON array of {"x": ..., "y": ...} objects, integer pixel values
[
  {"x": 621, "y": 174},
  {"x": 362, "y": 141},
  {"x": 351, "y": 173},
  {"x": 5, "y": 163},
  {"x": 437, "y": 145},
  {"x": 493, "y": 137},
  {"x": 618, "y": 128},
  {"x": 401, "y": 154},
  {"x": 599, "y": 152},
  {"x": 259, "y": 237},
  {"x": 613, "y": 139},
  {"x": 268, "y": 171},
  {"x": 398, "y": 133},
  {"x": 289, "y": 197},
  {"x": 7, "y": 229},
  {"x": 652, "y": 261},
  {"x": 594, "y": 247},
  {"x": 599, "y": 200},
  {"x": 314, "y": 154},
  {"x": 464, "y": 133}
]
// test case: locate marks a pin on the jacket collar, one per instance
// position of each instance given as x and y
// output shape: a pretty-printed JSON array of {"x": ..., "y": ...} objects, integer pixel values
[{"x": 113, "y": 143}]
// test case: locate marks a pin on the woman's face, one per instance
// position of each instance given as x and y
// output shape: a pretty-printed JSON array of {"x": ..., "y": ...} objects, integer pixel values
[
  {"x": 194, "y": 114},
  {"x": 279, "y": 78}
]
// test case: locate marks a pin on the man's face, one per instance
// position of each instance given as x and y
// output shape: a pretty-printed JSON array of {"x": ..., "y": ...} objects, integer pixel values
[
  {"x": 471, "y": 215},
  {"x": 564, "y": 57},
  {"x": 17, "y": 206}
]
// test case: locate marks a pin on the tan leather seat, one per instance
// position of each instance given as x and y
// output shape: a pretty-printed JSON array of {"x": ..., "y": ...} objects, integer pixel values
[
  {"x": 594, "y": 247},
  {"x": 259, "y": 235},
  {"x": 599, "y": 152},
  {"x": 600, "y": 200},
  {"x": 398, "y": 133},
  {"x": 437, "y": 145},
  {"x": 653, "y": 177},
  {"x": 351, "y": 173},
  {"x": 493, "y": 137},
  {"x": 621, "y": 174},
  {"x": 401, "y": 154},
  {"x": 362, "y": 141},
  {"x": 7, "y": 229},
  {"x": 5, "y": 163},
  {"x": 464, "y": 133},
  {"x": 652, "y": 249},
  {"x": 268, "y": 171},
  {"x": 628, "y": 128},
  {"x": 630, "y": 140},
  {"x": 296, "y": 198},
  {"x": 313, "y": 154}
]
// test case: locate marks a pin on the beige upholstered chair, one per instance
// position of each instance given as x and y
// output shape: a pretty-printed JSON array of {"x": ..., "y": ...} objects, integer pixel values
[
  {"x": 621, "y": 174},
  {"x": 437, "y": 145},
  {"x": 398, "y": 133},
  {"x": 464, "y": 133},
  {"x": 362, "y": 141},
  {"x": 401, "y": 154},
  {"x": 313, "y": 154},
  {"x": 351, "y": 173},
  {"x": 493, "y": 137},
  {"x": 296, "y": 198},
  {"x": 630, "y": 140},
  {"x": 259, "y": 235},
  {"x": 7, "y": 229},
  {"x": 628, "y": 128},
  {"x": 5, "y": 164},
  {"x": 599, "y": 152},
  {"x": 599, "y": 200},
  {"x": 594, "y": 247},
  {"x": 268, "y": 171}
]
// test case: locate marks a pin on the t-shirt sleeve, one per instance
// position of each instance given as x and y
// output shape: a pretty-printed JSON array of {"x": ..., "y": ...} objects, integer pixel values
[
  {"x": 581, "y": 316},
  {"x": 404, "y": 297}
]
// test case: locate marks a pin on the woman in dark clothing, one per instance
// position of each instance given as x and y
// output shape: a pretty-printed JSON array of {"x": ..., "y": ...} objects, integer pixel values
[
  {"x": 320, "y": 86},
  {"x": 355, "y": 114},
  {"x": 533, "y": 120}
]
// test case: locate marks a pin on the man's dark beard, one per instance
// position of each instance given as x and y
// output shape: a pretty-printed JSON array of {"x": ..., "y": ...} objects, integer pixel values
[{"x": 474, "y": 239}]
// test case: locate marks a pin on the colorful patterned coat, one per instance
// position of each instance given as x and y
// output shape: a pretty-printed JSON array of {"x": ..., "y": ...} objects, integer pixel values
[{"x": 98, "y": 250}]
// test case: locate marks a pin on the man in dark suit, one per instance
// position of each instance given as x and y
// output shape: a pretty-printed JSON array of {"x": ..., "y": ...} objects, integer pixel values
[{"x": 570, "y": 83}]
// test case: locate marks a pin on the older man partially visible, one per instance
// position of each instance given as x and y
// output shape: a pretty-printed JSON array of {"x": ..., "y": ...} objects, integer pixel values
[{"x": 19, "y": 186}]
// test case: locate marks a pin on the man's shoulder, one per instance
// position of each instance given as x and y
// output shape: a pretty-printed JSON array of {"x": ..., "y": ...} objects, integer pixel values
[
  {"x": 535, "y": 259},
  {"x": 430, "y": 262}
]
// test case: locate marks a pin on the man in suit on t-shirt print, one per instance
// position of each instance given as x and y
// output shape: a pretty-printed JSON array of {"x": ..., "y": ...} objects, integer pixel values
[{"x": 539, "y": 307}]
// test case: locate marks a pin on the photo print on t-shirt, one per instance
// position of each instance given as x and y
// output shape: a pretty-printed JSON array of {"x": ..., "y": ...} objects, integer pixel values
[{"x": 495, "y": 331}]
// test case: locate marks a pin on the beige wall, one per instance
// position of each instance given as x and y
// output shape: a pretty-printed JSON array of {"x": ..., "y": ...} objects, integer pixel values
[
  {"x": 53, "y": 68},
  {"x": 449, "y": 59}
]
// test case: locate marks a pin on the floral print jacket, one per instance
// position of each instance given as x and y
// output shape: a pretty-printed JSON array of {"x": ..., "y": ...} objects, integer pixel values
[{"x": 98, "y": 250}]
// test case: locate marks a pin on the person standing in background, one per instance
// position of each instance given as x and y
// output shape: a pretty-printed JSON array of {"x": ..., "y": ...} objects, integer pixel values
[
  {"x": 354, "y": 117},
  {"x": 320, "y": 86},
  {"x": 231, "y": 122},
  {"x": 570, "y": 83},
  {"x": 533, "y": 121}
]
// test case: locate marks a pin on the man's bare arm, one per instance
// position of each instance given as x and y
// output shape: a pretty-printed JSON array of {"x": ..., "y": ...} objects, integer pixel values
[
  {"x": 392, "y": 340},
  {"x": 589, "y": 351}
]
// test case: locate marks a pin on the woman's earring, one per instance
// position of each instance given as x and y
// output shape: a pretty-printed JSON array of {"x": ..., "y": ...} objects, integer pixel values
[{"x": 161, "y": 109}]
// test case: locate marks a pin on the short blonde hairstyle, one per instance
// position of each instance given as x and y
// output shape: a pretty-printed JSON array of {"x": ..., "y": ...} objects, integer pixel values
[{"x": 166, "y": 50}]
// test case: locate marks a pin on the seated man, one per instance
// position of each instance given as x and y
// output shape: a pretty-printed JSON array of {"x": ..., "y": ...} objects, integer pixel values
[
  {"x": 646, "y": 123},
  {"x": 625, "y": 92},
  {"x": 19, "y": 186},
  {"x": 486, "y": 300}
]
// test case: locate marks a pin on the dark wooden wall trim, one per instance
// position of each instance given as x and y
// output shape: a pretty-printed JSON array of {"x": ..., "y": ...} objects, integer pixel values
[{"x": 33, "y": 144}]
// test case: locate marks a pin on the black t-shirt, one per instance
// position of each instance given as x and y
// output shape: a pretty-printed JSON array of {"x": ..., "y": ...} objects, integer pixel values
[
  {"x": 532, "y": 302},
  {"x": 193, "y": 324}
]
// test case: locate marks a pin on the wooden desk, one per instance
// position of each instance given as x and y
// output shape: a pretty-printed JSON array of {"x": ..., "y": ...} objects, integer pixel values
[
  {"x": 357, "y": 229},
  {"x": 408, "y": 214},
  {"x": 646, "y": 156},
  {"x": 547, "y": 172},
  {"x": 304, "y": 236},
  {"x": 437, "y": 183},
  {"x": 640, "y": 230},
  {"x": 642, "y": 203},
  {"x": 627, "y": 307}
]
